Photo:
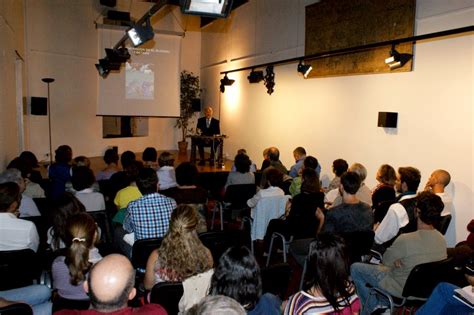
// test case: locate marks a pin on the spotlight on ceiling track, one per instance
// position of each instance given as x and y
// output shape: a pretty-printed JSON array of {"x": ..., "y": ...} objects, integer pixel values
[
  {"x": 304, "y": 69},
  {"x": 396, "y": 59},
  {"x": 139, "y": 34},
  {"x": 225, "y": 81},
  {"x": 269, "y": 80},
  {"x": 106, "y": 65},
  {"x": 117, "y": 55},
  {"x": 208, "y": 8},
  {"x": 255, "y": 76}
]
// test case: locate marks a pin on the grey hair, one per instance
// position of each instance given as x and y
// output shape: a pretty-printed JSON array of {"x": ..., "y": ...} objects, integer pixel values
[
  {"x": 360, "y": 170},
  {"x": 217, "y": 304},
  {"x": 11, "y": 175}
]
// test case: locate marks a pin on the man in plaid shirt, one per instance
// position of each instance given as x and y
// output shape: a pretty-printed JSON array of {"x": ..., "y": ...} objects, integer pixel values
[{"x": 149, "y": 216}]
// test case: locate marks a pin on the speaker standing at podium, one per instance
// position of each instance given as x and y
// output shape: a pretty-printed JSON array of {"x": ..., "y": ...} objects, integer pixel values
[{"x": 207, "y": 126}]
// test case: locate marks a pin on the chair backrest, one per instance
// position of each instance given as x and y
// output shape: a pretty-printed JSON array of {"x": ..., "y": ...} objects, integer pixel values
[
  {"x": 424, "y": 277},
  {"x": 237, "y": 195},
  {"x": 276, "y": 279},
  {"x": 167, "y": 294},
  {"x": 358, "y": 244},
  {"x": 16, "y": 309},
  {"x": 267, "y": 208},
  {"x": 44, "y": 206},
  {"x": 219, "y": 241},
  {"x": 443, "y": 224},
  {"x": 142, "y": 249},
  {"x": 103, "y": 221},
  {"x": 18, "y": 268}
]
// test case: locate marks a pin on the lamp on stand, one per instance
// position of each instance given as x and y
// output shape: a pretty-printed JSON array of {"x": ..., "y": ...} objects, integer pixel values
[{"x": 48, "y": 81}]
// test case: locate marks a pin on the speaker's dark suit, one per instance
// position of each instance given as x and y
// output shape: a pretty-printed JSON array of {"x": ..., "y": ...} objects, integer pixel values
[{"x": 213, "y": 129}]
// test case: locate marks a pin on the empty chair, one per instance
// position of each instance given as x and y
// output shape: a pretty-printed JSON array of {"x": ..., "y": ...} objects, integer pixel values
[
  {"x": 235, "y": 200},
  {"x": 141, "y": 251},
  {"x": 443, "y": 224},
  {"x": 218, "y": 242},
  {"x": 167, "y": 294}
]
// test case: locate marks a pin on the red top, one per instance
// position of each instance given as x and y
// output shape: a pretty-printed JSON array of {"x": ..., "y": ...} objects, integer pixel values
[{"x": 146, "y": 309}]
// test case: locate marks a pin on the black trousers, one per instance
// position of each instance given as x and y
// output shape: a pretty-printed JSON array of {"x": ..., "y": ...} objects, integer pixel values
[{"x": 207, "y": 143}]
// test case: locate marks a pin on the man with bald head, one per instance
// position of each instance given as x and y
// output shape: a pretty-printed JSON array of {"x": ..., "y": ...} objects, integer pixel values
[
  {"x": 438, "y": 180},
  {"x": 110, "y": 286}
]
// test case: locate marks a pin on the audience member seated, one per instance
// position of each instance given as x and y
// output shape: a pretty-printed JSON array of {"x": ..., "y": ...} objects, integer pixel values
[
  {"x": 187, "y": 191},
  {"x": 299, "y": 154},
  {"x": 28, "y": 207},
  {"x": 15, "y": 233},
  {"x": 339, "y": 167},
  {"x": 82, "y": 180},
  {"x": 149, "y": 157},
  {"x": 237, "y": 276},
  {"x": 273, "y": 180},
  {"x": 166, "y": 173},
  {"x": 70, "y": 271},
  {"x": 364, "y": 193},
  {"x": 119, "y": 180},
  {"x": 36, "y": 295},
  {"x": 180, "y": 257},
  {"x": 217, "y": 305},
  {"x": 111, "y": 284},
  {"x": 266, "y": 159},
  {"x": 309, "y": 162},
  {"x": 301, "y": 221},
  {"x": 59, "y": 173},
  {"x": 385, "y": 190},
  {"x": 242, "y": 174},
  {"x": 32, "y": 189},
  {"x": 327, "y": 288},
  {"x": 437, "y": 182},
  {"x": 402, "y": 213},
  {"x": 148, "y": 216},
  {"x": 129, "y": 193},
  {"x": 253, "y": 167},
  {"x": 81, "y": 160},
  {"x": 111, "y": 159},
  {"x": 409, "y": 250},
  {"x": 275, "y": 163},
  {"x": 32, "y": 161}
]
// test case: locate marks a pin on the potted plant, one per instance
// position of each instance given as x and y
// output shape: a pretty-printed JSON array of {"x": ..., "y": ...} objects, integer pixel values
[{"x": 189, "y": 92}]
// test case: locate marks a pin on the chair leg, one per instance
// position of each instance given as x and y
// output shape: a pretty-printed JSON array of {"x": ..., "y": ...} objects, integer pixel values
[
  {"x": 270, "y": 250},
  {"x": 284, "y": 250},
  {"x": 213, "y": 217},
  {"x": 303, "y": 274},
  {"x": 222, "y": 216}
]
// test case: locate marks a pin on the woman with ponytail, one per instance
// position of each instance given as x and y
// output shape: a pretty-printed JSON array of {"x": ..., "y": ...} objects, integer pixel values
[{"x": 69, "y": 271}]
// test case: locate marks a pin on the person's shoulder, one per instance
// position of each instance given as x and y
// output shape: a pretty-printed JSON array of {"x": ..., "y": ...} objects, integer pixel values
[{"x": 149, "y": 309}]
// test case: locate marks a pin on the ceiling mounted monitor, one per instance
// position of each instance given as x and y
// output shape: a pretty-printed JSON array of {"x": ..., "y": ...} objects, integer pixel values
[{"x": 209, "y": 8}]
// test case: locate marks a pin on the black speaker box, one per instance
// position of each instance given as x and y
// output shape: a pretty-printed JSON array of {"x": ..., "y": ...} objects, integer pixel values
[
  {"x": 387, "y": 120},
  {"x": 196, "y": 104},
  {"x": 39, "y": 106}
]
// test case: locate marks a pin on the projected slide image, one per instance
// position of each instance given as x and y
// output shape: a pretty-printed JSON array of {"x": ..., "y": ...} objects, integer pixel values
[{"x": 139, "y": 81}]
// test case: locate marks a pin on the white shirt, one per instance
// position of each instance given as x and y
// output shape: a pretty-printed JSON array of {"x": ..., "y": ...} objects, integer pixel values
[
  {"x": 166, "y": 177},
  {"x": 17, "y": 233},
  {"x": 262, "y": 193},
  {"x": 92, "y": 201},
  {"x": 28, "y": 207},
  {"x": 448, "y": 203},
  {"x": 396, "y": 218}
]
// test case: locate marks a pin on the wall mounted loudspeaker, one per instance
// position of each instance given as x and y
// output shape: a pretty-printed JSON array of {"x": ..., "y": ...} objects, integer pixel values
[
  {"x": 39, "y": 106},
  {"x": 196, "y": 104},
  {"x": 387, "y": 120}
]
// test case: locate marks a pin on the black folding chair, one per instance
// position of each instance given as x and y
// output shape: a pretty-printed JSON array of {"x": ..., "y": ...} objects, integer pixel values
[
  {"x": 141, "y": 250},
  {"x": 16, "y": 309},
  {"x": 18, "y": 268},
  {"x": 167, "y": 294}
]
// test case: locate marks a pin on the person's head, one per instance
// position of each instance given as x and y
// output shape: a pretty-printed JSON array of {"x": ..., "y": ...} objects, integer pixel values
[
  {"x": 22, "y": 165},
  {"x": 265, "y": 153},
  {"x": 181, "y": 250},
  {"x": 149, "y": 155},
  {"x": 237, "y": 276},
  {"x": 127, "y": 158},
  {"x": 350, "y": 183},
  {"x": 299, "y": 153},
  {"x": 81, "y": 160},
  {"x": 147, "y": 181},
  {"x": 166, "y": 159},
  {"x": 386, "y": 175},
  {"x": 360, "y": 170},
  {"x": 30, "y": 157},
  {"x": 208, "y": 112},
  {"x": 81, "y": 235},
  {"x": 111, "y": 156},
  {"x": 131, "y": 171},
  {"x": 187, "y": 174},
  {"x": 110, "y": 283},
  {"x": 339, "y": 167},
  {"x": 408, "y": 179},
  {"x": 242, "y": 163},
  {"x": 10, "y": 197},
  {"x": 310, "y": 181},
  {"x": 273, "y": 154},
  {"x": 241, "y": 151},
  {"x": 13, "y": 175},
  {"x": 439, "y": 179},
  {"x": 310, "y": 162},
  {"x": 328, "y": 268},
  {"x": 63, "y": 154},
  {"x": 82, "y": 178},
  {"x": 217, "y": 305},
  {"x": 274, "y": 177},
  {"x": 64, "y": 207},
  {"x": 429, "y": 207}
]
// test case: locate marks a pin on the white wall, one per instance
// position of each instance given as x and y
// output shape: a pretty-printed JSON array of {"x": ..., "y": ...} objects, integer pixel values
[
  {"x": 62, "y": 43},
  {"x": 337, "y": 117}
]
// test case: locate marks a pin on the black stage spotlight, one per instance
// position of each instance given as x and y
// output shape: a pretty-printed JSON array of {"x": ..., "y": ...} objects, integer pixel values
[
  {"x": 105, "y": 65},
  {"x": 102, "y": 69},
  {"x": 117, "y": 55},
  {"x": 140, "y": 34},
  {"x": 255, "y": 76},
  {"x": 304, "y": 69},
  {"x": 208, "y": 8},
  {"x": 269, "y": 80},
  {"x": 225, "y": 81},
  {"x": 396, "y": 59}
]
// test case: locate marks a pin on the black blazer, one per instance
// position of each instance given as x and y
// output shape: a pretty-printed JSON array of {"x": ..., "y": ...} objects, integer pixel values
[{"x": 213, "y": 129}]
